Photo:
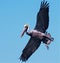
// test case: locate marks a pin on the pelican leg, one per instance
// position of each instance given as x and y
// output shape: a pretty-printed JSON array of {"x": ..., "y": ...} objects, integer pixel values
[
  {"x": 47, "y": 46},
  {"x": 48, "y": 42}
]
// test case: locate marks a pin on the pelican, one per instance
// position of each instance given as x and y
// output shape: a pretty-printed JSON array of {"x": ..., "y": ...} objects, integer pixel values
[{"x": 38, "y": 34}]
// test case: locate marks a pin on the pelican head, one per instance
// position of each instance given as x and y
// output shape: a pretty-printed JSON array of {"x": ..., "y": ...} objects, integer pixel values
[{"x": 25, "y": 29}]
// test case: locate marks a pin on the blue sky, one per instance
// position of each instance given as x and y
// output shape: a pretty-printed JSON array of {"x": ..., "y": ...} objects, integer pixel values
[{"x": 13, "y": 15}]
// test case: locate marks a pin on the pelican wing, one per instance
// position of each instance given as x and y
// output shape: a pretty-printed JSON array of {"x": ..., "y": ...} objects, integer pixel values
[
  {"x": 30, "y": 48},
  {"x": 43, "y": 17}
]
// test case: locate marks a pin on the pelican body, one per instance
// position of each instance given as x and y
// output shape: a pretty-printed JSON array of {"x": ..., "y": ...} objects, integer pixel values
[{"x": 37, "y": 34}]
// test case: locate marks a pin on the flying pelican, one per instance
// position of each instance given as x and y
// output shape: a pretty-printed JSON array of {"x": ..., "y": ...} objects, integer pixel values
[{"x": 38, "y": 34}]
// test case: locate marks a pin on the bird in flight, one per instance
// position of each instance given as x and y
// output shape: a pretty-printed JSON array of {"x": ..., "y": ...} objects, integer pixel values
[{"x": 38, "y": 34}]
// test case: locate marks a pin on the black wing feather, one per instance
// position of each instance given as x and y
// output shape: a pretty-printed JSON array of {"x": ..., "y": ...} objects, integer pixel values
[
  {"x": 43, "y": 17},
  {"x": 30, "y": 48}
]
